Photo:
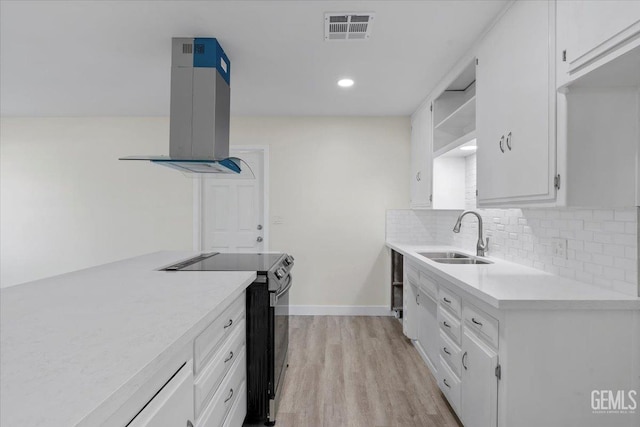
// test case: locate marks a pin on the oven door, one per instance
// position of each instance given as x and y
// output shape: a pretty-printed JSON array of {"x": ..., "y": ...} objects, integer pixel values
[{"x": 281, "y": 342}]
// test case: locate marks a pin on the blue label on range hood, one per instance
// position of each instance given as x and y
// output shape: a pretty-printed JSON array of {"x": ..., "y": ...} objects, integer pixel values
[{"x": 207, "y": 53}]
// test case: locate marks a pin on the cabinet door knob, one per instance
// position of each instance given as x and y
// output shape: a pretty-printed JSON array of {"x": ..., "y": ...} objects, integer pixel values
[
  {"x": 259, "y": 239},
  {"x": 473, "y": 319},
  {"x": 229, "y": 397},
  {"x": 446, "y": 351},
  {"x": 229, "y": 323},
  {"x": 509, "y": 141},
  {"x": 189, "y": 423},
  {"x": 418, "y": 177},
  {"x": 501, "y": 142},
  {"x": 445, "y": 383},
  {"x": 446, "y": 324},
  {"x": 464, "y": 356}
]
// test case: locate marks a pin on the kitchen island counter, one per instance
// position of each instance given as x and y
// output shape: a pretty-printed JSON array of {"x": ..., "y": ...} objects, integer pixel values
[{"x": 76, "y": 347}]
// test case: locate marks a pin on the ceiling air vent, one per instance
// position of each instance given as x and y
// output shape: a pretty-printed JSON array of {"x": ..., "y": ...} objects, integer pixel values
[{"x": 347, "y": 26}]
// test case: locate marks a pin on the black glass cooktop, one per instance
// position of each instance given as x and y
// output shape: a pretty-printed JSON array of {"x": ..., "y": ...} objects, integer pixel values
[{"x": 234, "y": 262}]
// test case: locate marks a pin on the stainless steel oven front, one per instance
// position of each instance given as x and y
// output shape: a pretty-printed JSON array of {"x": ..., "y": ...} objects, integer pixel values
[{"x": 281, "y": 343}]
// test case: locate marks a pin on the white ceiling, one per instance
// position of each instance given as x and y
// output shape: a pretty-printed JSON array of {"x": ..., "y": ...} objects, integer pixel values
[{"x": 89, "y": 58}]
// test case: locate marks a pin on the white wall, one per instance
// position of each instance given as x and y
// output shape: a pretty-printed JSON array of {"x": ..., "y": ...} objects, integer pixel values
[
  {"x": 331, "y": 181},
  {"x": 68, "y": 203}
]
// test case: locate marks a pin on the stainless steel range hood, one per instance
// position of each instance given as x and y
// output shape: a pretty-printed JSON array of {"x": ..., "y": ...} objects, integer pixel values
[{"x": 200, "y": 104}]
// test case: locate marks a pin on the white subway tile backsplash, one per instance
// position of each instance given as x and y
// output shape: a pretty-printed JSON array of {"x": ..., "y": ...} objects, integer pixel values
[{"x": 601, "y": 244}]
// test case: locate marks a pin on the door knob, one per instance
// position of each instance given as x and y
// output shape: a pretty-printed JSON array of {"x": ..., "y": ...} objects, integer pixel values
[
  {"x": 259, "y": 226},
  {"x": 259, "y": 239}
]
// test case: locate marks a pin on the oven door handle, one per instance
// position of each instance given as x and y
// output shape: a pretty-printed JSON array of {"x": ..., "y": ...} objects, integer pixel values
[{"x": 286, "y": 288}]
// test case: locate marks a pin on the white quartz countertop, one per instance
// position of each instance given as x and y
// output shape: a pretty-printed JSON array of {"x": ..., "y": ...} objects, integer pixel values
[
  {"x": 506, "y": 285},
  {"x": 74, "y": 347}
]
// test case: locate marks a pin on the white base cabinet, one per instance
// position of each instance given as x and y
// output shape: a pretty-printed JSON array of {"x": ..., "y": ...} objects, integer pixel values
[
  {"x": 173, "y": 405},
  {"x": 210, "y": 392},
  {"x": 428, "y": 326},
  {"x": 524, "y": 367},
  {"x": 479, "y": 397}
]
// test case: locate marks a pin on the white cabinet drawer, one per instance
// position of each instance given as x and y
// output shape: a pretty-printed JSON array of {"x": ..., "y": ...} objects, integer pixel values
[
  {"x": 207, "y": 343},
  {"x": 238, "y": 410},
  {"x": 450, "y": 352},
  {"x": 412, "y": 274},
  {"x": 211, "y": 376},
  {"x": 450, "y": 300},
  {"x": 429, "y": 286},
  {"x": 229, "y": 391},
  {"x": 449, "y": 324},
  {"x": 173, "y": 405},
  {"x": 483, "y": 324},
  {"x": 449, "y": 384}
]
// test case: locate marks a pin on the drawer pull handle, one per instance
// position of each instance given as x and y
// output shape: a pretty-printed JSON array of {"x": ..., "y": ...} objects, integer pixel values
[
  {"x": 230, "y": 396},
  {"x": 445, "y": 383},
  {"x": 446, "y": 300},
  {"x": 229, "y": 323},
  {"x": 446, "y": 351},
  {"x": 473, "y": 319},
  {"x": 189, "y": 423},
  {"x": 229, "y": 358},
  {"x": 464, "y": 357},
  {"x": 446, "y": 324}
]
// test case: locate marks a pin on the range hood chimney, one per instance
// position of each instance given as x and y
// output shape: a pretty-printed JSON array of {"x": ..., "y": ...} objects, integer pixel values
[{"x": 200, "y": 109}]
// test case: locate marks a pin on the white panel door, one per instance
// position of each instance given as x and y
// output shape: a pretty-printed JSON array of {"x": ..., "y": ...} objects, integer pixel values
[
  {"x": 233, "y": 210},
  {"x": 410, "y": 309},
  {"x": 479, "y": 383},
  {"x": 428, "y": 329}
]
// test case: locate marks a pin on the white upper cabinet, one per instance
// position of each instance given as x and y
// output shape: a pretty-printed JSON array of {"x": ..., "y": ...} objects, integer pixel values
[
  {"x": 515, "y": 117},
  {"x": 598, "y": 110},
  {"x": 421, "y": 149},
  {"x": 589, "y": 30}
]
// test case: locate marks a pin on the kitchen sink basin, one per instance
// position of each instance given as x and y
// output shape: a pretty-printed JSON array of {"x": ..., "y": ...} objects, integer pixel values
[
  {"x": 453, "y": 258},
  {"x": 444, "y": 255},
  {"x": 461, "y": 261}
]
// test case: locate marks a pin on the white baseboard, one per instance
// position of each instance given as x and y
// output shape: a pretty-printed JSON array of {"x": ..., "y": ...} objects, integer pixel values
[{"x": 340, "y": 310}]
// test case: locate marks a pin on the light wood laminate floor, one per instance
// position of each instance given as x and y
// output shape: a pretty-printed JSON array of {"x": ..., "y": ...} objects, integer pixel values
[{"x": 357, "y": 371}]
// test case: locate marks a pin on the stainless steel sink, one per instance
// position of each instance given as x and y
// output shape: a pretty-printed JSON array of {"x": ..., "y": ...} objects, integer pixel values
[
  {"x": 444, "y": 255},
  {"x": 461, "y": 261},
  {"x": 453, "y": 258}
]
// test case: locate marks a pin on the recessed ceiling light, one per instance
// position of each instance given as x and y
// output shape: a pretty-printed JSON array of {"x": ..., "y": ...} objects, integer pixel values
[
  {"x": 345, "y": 82},
  {"x": 468, "y": 148}
]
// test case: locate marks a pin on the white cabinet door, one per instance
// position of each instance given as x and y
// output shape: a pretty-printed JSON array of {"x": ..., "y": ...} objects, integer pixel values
[
  {"x": 516, "y": 107},
  {"x": 428, "y": 326},
  {"x": 173, "y": 405},
  {"x": 410, "y": 309},
  {"x": 587, "y": 29},
  {"x": 421, "y": 154},
  {"x": 479, "y": 383}
]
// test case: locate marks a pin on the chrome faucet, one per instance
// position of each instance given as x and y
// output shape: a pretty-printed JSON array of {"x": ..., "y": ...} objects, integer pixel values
[{"x": 482, "y": 246}]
